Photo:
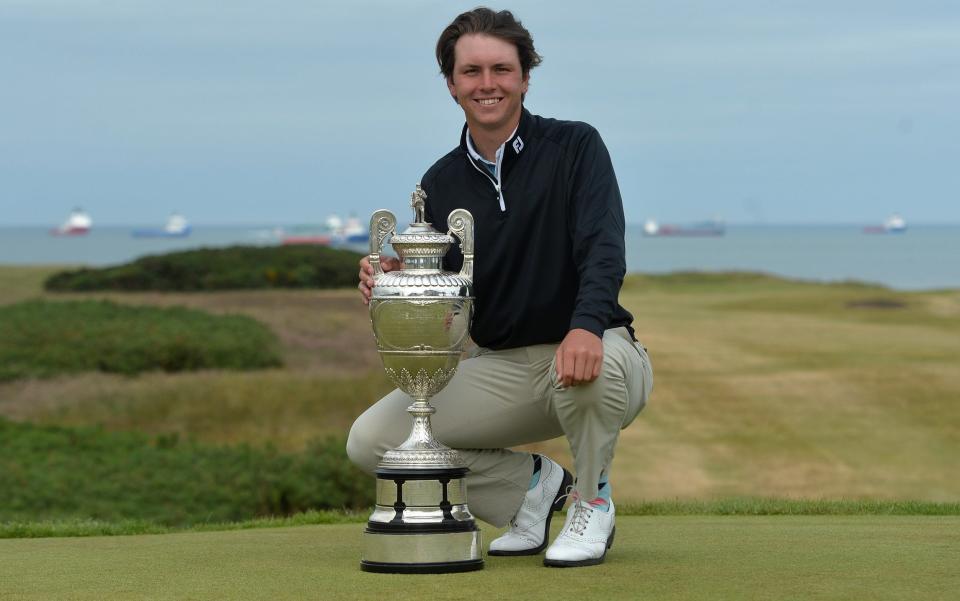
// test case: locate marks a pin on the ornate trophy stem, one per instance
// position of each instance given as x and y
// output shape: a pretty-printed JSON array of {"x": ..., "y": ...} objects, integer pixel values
[
  {"x": 421, "y": 320},
  {"x": 420, "y": 448}
]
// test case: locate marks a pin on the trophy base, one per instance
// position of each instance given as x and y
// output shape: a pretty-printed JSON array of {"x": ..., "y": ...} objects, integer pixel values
[
  {"x": 421, "y": 524},
  {"x": 433, "y": 553}
]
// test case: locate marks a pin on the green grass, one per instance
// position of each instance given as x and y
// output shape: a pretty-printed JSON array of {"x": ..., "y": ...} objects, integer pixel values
[
  {"x": 233, "y": 268},
  {"x": 764, "y": 387},
  {"x": 20, "y": 282},
  {"x": 768, "y": 387},
  {"x": 279, "y": 407},
  {"x": 768, "y": 393},
  {"x": 715, "y": 558},
  {"x": 74, "y": 527},
  {"x": 770, "y": 506},
  {"x": 40, "y": 339},
  {"x": 725, "y": 507},
  {"x": 68, "y": 474}
]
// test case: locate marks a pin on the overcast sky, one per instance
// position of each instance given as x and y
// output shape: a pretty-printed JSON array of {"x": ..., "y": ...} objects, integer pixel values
[{"x": 283, "y": 112}]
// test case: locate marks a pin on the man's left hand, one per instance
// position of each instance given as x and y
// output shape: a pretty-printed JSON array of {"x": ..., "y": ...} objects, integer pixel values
[{"x": 579, "y": 358}]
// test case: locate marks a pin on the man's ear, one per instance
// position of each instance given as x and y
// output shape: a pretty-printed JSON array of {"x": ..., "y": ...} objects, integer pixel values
[{"x": 452, "y": 90}]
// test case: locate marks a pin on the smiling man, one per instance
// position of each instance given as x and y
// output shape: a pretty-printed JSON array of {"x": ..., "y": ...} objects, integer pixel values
[{"x": 556, "y": 355}]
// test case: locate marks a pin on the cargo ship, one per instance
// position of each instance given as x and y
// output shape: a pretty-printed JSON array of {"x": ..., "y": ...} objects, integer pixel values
[
  {"x": 894, "y": 224},
  {"x": 176, "y": 227},
  {"x": 703, "y": 228},
  {"x": 77, "y": 224}
]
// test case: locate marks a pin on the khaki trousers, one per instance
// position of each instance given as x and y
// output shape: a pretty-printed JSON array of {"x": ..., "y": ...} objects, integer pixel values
[{"x": 501, "y": 399}]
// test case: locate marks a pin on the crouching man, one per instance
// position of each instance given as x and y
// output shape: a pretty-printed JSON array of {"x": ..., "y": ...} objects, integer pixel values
[{"x": 556, "y": 355}]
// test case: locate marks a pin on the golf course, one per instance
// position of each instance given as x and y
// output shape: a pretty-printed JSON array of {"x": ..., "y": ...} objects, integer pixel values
[{"x": 801, "y": 442}]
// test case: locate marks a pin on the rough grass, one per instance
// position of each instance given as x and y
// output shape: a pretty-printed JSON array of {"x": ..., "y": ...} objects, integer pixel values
[
  {"x": 713, "y": 558},
  {"x": 20, "y": 282},
  {"x": 764, "y": 387},
  {"x": 233, "y": 268},
  {"x": 39, "y": 338},
  {"x": 58, "y": 473},
  {"x": 281, "y": 407}
]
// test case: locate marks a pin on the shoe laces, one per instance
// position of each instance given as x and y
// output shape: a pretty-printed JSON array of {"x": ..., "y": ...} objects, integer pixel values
[
  {"x": 581, "y": 511},
  {"x": 581, "y": 516}
]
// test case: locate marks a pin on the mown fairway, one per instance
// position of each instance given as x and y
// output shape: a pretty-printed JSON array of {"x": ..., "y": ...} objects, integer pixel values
[
  {"x": 710, "y": 558},
  {"x": 764, "y": 387}
]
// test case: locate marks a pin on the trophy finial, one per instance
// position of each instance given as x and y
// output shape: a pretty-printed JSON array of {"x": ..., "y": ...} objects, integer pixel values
[{"x": 418, "y": 202}]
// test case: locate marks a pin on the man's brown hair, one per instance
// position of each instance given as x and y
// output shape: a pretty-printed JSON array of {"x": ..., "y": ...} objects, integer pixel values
[{"x": 501, "y": 24}]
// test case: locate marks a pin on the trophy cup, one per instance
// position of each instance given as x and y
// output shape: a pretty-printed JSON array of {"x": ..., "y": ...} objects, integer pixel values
[{"x": 421, "y": 320}]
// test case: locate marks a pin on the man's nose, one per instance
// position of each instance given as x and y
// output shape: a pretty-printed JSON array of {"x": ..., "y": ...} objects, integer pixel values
[{"x": 487, "y": 81}]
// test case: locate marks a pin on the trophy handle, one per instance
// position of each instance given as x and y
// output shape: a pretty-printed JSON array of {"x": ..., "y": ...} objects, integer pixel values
[
  {"x": 382, "y": 223},
  {"x": 460, "y": 223}
]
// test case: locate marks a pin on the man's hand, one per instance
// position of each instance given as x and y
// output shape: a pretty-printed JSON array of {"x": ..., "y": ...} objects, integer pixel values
[
  {"x": 579, "y": 358},
  {"x": 366, "y": 274}
]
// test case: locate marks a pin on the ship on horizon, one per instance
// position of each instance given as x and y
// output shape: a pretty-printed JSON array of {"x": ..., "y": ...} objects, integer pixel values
[
  {"x": 77, "y": 224},
  {"x": 177, "y": 226},
  {"x": 894, "y": 224},
  {"x": 335, "y": 232},
  {"x": 712, "y": 227}
]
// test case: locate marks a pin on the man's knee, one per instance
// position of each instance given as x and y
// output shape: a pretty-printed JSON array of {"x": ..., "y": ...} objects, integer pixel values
[
  {"x": 608, "y": 393},
  {"x": 361, "y": 446}
]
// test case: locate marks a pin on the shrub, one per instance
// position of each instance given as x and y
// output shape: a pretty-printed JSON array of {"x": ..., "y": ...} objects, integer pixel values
[
  {"x": 42, "y": 338},
  {"x": 53, "y": 472},
  {"x": 233, "y": 268}
]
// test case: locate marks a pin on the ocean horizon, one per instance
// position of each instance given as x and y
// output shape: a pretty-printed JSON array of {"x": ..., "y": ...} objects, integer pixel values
[{"x": 915, "y": 260}]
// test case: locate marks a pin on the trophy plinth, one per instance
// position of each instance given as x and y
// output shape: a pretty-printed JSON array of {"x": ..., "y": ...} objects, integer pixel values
[{"x": 421, "y": 321}]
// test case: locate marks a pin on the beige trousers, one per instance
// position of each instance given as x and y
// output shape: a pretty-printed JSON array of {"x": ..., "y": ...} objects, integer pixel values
[{"x": 501, "y": 399}]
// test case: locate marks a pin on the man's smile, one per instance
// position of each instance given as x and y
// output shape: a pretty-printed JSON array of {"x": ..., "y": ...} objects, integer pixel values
[{"x": 488, "y": 101}]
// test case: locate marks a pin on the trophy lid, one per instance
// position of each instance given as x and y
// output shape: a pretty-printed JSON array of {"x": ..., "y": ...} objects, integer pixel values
[{"x": 420, "y": 238}]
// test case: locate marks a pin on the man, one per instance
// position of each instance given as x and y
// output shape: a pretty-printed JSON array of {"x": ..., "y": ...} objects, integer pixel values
[{"x": 556, "y": 354}]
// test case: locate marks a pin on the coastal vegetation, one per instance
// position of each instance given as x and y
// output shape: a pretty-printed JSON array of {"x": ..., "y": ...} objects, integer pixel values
[
  {"x": 233, "y": 268},
  {"x": 766, "y": 388},
  {"x": 40, "y": 338},
  {"x": 86, "y": 473}
]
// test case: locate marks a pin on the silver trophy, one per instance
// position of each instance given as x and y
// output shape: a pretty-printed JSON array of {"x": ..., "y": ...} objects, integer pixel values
[{"x": 421, "y": 321}]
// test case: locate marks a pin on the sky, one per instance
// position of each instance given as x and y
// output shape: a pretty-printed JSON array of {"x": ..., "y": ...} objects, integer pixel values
[{"x": 283, "y": 112}]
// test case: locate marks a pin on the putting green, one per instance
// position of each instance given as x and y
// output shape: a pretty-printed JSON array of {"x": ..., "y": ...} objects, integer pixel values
[{"x": 674, "y": 557}]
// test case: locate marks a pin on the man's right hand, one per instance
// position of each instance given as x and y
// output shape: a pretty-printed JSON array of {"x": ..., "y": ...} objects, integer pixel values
[{"x": 366, "y": 274}]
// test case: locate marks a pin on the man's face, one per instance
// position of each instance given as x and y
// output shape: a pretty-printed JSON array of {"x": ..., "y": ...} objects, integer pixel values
[{"x": 487, "y": 82}]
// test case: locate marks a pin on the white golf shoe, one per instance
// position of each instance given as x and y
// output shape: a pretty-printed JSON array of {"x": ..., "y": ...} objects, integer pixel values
[
  {"x": 585, "y": 538},
  {"x": 530, "y": 528}
]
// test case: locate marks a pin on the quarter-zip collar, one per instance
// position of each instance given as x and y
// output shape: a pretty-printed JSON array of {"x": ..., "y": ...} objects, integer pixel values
[
  {"x": 472, "y": 150},
  {"x": 507, "y": 154}
]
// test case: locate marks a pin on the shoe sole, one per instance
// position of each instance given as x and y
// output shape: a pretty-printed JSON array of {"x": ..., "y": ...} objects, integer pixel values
[
  {"x": 558, "y": 503},
  {"x": 559, "y": 563}
]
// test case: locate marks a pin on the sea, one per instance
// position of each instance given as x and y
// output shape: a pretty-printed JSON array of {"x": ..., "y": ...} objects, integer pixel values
[{"x": 924, "y": 257}]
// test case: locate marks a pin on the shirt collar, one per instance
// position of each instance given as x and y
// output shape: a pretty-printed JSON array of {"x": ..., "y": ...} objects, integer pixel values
[{"x": 478, "y": 157}]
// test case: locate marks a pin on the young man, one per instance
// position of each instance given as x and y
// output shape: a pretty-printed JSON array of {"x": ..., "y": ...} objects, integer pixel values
[{"x": 556, "y": 353}]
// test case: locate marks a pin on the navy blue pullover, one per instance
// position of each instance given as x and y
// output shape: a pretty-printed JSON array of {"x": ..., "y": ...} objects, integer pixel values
[{"x": 552, "y": 258}]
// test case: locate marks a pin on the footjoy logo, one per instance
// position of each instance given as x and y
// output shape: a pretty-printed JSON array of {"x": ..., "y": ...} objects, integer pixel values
[{"x": 518, "y": 145}]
